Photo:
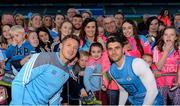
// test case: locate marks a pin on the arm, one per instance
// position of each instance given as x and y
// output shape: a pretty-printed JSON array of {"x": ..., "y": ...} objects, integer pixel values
[
  {"x": 166, "y": 50},
  {"x": 87, "y": 74},
  {"x": 10, "y": 51},
  {"x": 147, "y": 78},
  {"x": 123, "y": 96},
  {"x": 178, "y": 75},
  {"x": 22, "y": 79}
]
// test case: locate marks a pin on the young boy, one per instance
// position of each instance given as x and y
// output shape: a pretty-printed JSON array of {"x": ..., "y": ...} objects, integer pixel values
[
  {"x": 80, "y": 66},
  {"x": 148, "y": 58},
  {"x": 18, "y": 53},
  {"x": 73, "y": 85}
]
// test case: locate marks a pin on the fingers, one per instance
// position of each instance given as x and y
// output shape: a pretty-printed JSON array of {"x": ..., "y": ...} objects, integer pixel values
[{"x": 83, "y": 93}]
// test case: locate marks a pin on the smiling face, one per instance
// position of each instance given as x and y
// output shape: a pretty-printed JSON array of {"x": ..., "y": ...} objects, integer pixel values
[
  {"x": 36, "y": 21},
  {"x": 47, "y": 21},
  {"x": 58, "y": 20},
  {"x": 96, "y": 52},
  {"x": 18, "y": 36},
  {"x": 43, "y": 36},
  {"x": 68, "y": 49},
  {"x": 66, "y": 29},
  {"x": 33, "y": 39},
  {"x": 110, "y": 25},
  {"x": 77, "y": 23},
  {"x": 90, "y": 29},
  {"x": 19, "y": 20},
  {"x": 127, "y": 29},
  {"x": 6, "y": 31}
]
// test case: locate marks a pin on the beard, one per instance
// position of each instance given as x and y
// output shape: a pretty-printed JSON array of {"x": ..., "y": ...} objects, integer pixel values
[{"x": 76, "y": 28}]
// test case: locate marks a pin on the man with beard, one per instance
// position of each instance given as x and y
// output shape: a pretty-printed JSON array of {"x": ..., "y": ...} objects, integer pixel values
[
  {"x": 137, "y": 84},
  {"x": 77, "y": 23}
]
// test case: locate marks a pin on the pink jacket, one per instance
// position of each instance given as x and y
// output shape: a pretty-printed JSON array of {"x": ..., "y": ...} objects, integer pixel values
[
  {"x": 170, "y": 66},
  {"x": 165, "y": 20}
]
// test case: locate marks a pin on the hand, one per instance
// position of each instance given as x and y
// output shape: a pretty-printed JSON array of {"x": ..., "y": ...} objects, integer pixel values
[
  {"x": 149, "y": 39},
  {"x": 47, "y": 48},
  {"x": 100, "y": 40},
  {"x": 157, "y": 74},
  {"x": 103, "y": 88},
  {"x": 83, "y": 93},
  {"x": 168, "y": 46},
  {"x": 25, "y": 59}
]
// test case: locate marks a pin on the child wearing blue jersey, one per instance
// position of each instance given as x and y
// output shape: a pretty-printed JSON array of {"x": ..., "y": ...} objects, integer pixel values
[{"x": 18, "y": 53}]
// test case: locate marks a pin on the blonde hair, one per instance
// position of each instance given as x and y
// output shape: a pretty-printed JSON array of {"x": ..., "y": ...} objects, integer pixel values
[
  {"x": 21, "y": 17},
  {"x": 83, "y": 53},
  {"x": 17, "y": 28},
  {"x": 5, "y": 27}
]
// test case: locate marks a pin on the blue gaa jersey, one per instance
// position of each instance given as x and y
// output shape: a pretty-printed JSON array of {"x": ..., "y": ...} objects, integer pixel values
[
  {"x": 15, "y": 53},
  {"x": 86, "y": 45},
  {"x": 40, "y": 81},
  {"x": 126, "y": 78}
]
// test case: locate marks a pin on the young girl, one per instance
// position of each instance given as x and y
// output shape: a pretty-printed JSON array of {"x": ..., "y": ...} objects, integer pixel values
[
  {"x": 65, "y": 29},
  {"x": 93, "y": 78},
  {"x": 59, "y": 18},
  {"x": 6, "y": 37},
  {"x": 45, "y": 40},
  {"x": 166, "y": 55},
  {"x": 35, "y": 22},
  {"x": 32, "y": 37}
]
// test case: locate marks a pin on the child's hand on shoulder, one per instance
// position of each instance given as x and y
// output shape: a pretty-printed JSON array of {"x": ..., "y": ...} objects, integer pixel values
[{"x": 25, "y": 59}]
